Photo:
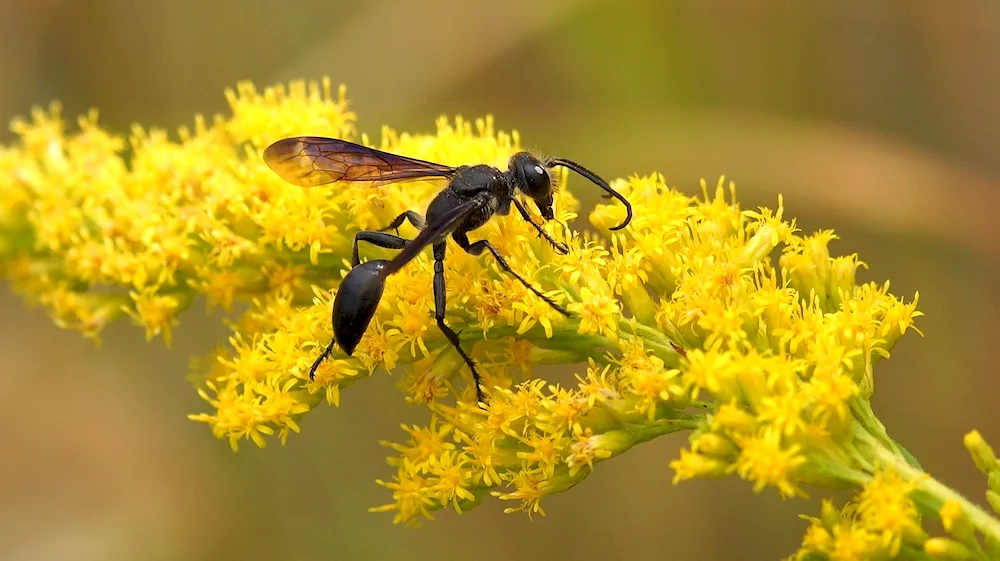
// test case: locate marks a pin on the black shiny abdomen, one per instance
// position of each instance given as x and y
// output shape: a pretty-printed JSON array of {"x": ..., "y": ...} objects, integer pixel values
[{"x": 356, "y": 302}]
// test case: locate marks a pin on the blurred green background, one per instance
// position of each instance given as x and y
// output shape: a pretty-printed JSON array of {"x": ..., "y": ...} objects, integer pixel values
[{"x": 878, "y": 119}]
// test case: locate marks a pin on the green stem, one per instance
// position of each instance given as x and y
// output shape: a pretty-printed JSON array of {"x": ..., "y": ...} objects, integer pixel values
[
  {"x": 863, "y": 413},
  {"x": 988, "y": 525},
  {"x": 645, "y": 433},
  {"x": 652, "y": 339}
]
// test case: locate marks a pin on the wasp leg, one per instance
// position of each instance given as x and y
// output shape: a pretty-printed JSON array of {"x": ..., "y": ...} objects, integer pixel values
[
  {"x": 559, "y": 246},
  {"x": 440, "y": 304},
  {"x": 379, "y": 239},
  {"x": 412, "y": 217},
  {"x": 479, "y": 247},
  {"x": 319, "y": 360}
]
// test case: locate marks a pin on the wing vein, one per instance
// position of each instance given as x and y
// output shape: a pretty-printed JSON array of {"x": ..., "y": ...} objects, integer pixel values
[{"x": 308, "y": 161}]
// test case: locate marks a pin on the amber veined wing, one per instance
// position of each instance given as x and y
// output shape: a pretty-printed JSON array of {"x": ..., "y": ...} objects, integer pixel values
[{"x": 308, "y": 161}]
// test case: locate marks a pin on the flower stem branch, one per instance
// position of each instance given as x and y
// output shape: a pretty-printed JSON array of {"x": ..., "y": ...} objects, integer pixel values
[{"x": 939, "y": 493}]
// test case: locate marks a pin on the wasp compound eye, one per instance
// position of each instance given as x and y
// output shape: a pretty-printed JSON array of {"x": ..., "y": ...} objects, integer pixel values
[
  {"x": 356, "y": 302},
  {"x": 532, "y": 178}
]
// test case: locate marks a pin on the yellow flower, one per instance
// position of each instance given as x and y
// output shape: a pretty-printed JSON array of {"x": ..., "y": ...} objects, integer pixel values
[
  {"x": 529, "y": 489},
  {"x": 766, "y": 461},
  {"x": 598, "y": 312},
  {"x": 691, "y": 465},
  {"x": 878, "y": 523},
  {"x": 686, "y": 319}
]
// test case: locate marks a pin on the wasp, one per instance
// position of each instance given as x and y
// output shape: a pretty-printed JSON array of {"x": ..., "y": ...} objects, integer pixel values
[{"x": 472, "y": 196}]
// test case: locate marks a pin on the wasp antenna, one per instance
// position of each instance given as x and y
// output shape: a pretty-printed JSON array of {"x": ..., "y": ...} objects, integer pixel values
[{"x": 597, "y": 180}]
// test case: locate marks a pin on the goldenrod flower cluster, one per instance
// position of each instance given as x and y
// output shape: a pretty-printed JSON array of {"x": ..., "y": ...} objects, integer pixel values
[
  {"x": 689, "y": 321},
  {"x": 700, "y": 316},
  {"x": 883, "y": 521}
]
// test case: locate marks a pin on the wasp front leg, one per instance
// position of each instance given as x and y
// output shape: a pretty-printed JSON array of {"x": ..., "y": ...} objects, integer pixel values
[{"x": 559, "y": 246}]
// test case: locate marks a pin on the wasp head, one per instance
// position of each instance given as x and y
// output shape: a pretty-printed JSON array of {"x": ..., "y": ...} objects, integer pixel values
[{"x": 533, "y": 179}]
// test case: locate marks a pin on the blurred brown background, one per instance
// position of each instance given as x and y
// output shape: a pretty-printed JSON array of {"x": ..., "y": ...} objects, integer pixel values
[{"x": 878, "y": 119}]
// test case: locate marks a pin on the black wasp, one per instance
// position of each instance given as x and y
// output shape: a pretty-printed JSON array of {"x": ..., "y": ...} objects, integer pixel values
[{"x": 473, "y": 195}]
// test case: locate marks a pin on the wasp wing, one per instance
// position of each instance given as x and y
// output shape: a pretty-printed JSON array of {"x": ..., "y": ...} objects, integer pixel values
[{"x": 308, "y": 161}]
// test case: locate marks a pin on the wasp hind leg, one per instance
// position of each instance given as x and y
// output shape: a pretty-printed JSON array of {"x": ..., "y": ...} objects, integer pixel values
[
  {"x": 440, "y": 305},
  {"x": 414, "y": 218}
]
